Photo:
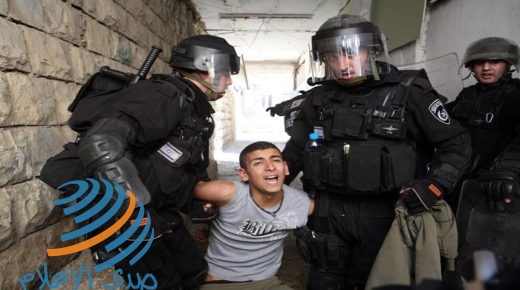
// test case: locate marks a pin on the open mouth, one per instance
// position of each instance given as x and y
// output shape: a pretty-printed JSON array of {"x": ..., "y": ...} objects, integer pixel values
[
  {"x": 271, "y": 179},
  {"x": 347, "y": 73}
]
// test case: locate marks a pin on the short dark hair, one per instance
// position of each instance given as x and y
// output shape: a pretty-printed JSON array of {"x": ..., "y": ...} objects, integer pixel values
[{"x": 259, "y": 145}]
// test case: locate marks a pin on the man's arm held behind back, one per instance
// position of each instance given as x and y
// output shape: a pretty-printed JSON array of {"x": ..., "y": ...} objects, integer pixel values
[{"x": 221, "y": 192}]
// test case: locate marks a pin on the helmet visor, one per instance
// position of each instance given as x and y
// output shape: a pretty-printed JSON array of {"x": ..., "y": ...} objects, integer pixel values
[
  {"x": 348, "y": 56},
  {"x": 220, "y": 70}
]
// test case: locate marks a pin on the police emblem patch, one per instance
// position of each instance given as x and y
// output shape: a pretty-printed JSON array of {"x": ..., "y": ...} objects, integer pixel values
[{"x": 439, "y": 112}]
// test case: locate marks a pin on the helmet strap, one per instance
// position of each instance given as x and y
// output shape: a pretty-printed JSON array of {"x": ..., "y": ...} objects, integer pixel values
[
  {"x": 373, "y": 66},
  {"x": 205, "y": 87},
  {"x": 467, "y": 76}
]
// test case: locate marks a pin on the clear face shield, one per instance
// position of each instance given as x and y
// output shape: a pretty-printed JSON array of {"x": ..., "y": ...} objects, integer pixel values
[
  {"x": 349, "y": 57},
  {"x": 220, "y": 67}
]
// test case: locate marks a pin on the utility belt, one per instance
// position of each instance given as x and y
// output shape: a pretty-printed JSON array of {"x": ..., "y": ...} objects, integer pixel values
[{"x": 359, "y": 167}]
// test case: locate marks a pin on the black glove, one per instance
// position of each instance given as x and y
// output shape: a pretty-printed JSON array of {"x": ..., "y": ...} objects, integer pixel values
[
  {"x": 499, "y": 188},
  {"x": 421, "y": 195},
  {"x": 276, "y": 110},
  {"x": 199, "y": 211}
]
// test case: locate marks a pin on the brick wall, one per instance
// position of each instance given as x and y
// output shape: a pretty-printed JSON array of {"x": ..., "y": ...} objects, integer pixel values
[{"x": 48, "y": 48}]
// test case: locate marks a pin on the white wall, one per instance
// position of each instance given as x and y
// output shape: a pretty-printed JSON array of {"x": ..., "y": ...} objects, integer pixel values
[{"x": 269, "y": 84}]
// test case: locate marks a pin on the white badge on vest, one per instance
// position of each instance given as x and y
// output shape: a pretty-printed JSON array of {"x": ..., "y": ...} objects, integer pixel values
[{"x": 439, "y": 112}]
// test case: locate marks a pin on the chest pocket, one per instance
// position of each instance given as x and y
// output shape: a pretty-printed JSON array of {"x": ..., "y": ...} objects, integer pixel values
[
  {"x": 379, "y": 113},
  {"x": 368, "y": 168}
]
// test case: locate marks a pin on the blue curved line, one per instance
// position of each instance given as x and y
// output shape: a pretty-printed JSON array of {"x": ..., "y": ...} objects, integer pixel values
[
  {"x": 129, "y": 232},
  {"x": 87, "y": 200},
  {"x": 125, "y": 252},
  {"x": 109, "y": 191},
  {"x": 144, "y": 249},
  {"x": 83, "y": 186},
  {"x": 97, "y": 223}
]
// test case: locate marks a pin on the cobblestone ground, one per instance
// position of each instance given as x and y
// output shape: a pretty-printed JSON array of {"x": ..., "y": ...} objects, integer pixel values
[{"x": 97, "y": 281}]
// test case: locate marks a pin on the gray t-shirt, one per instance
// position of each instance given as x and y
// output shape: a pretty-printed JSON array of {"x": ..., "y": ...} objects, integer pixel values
[{"x": 246, "y": 243}]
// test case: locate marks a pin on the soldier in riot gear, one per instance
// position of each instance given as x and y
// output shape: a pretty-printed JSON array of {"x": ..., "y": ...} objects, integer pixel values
[
  {"x": 489, "y": 109},
  {"x": 378, "y": 127},
  {"x": 153, "y": 138}
]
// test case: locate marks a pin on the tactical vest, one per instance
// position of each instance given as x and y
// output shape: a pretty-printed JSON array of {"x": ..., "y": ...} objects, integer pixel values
[
  {"x": 195, "y": 129},
  {"x": 365, "y": 149},
  {"x": 479, "y": 109}
]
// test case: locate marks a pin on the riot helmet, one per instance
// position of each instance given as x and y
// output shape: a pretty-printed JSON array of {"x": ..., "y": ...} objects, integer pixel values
[
  {"x": 209, "y": 54},
  {"x": 492, "y": 48},
  {"x": 348, "y": 47}
]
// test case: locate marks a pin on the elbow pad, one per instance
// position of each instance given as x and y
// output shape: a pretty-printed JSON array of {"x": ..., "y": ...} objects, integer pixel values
[
  {"x": 452, "y": 158},
  {"x": 102, "y": 153}
]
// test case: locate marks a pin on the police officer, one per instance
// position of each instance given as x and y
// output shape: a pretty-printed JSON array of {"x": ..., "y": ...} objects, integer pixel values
[
  {"x": 377, "y": 127},
  {"x": 489, "y": 109},
  {"x": 153, "y": 138}
]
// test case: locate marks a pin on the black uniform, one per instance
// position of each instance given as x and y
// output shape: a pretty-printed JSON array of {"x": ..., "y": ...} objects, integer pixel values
[
  {"x": 379, "y": 137},
  {"x": 491, "y": 115},
  {"x": 166, "y": 113},
  {"x": 490, "y": 112}
]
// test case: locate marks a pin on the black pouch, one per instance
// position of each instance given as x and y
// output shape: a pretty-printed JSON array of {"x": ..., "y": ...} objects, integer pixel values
[
  {"x": 312, "y": 166},
  {"x": 379, "y": 168},
  {"x": 401, "y": 166},
  {"x": 333, "y": 166},
  {"x": 349, "y": 122},
  {"x": 319, "y": 251},
  {"x": 63, "y": 167},
  {"x": 364, "y": 168}
]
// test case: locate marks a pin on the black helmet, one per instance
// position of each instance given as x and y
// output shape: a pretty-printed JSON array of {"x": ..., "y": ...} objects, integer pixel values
[
  {"x": 196, "y": 53},
  {"x": 490, "y": 48},
  {"x": 207, "y": 53},
  {"x": 348, "y": 34}
]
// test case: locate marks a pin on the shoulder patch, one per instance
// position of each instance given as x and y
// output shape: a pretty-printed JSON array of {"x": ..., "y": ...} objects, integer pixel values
[{"x": 439, "y": 112}]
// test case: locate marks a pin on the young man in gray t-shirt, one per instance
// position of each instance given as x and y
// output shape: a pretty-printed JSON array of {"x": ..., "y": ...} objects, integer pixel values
[{"x": 246, "y": 240}]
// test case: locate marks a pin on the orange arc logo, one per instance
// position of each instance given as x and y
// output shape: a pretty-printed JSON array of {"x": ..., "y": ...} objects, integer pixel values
[{"x": 97, "y": 238}]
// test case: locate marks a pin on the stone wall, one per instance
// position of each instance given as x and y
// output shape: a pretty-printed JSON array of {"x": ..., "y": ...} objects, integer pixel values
[
  {"x": 225, "y": 129},
  {"x": 48, "y": 48}
]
